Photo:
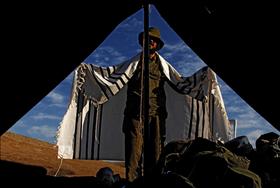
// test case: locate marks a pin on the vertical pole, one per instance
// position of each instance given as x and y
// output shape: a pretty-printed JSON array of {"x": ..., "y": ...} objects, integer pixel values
[{"x": 147, "y": 152}]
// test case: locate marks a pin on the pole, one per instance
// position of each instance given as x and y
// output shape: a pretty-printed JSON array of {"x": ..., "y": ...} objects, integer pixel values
[{"x": 147, "y": 152}]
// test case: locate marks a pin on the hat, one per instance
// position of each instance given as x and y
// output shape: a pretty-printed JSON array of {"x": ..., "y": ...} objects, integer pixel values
[{"x": 155, "y": 33}]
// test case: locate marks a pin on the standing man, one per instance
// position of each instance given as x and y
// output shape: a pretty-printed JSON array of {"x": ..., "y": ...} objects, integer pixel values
[{"x": 133, "y": 127}]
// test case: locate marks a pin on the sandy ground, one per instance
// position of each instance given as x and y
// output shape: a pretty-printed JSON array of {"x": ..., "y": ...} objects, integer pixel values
[{"x": 29, "y": 151}]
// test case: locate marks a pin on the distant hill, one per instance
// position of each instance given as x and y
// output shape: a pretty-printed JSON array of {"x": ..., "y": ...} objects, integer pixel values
[{"x": 18, "y": 153}]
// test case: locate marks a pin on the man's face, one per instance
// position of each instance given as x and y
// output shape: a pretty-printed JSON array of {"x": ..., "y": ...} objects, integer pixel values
[{"x": 153, "y": 44}]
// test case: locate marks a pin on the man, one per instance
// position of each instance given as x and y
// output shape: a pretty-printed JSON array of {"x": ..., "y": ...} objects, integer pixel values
[{"x": 133, "y": 126}]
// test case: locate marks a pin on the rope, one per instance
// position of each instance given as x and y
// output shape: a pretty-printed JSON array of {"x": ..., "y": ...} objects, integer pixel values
[{"x": 61, "y": 160}]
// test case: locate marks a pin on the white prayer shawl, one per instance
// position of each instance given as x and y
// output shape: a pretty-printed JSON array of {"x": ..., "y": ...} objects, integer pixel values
[{"x": 92, "y": 125}]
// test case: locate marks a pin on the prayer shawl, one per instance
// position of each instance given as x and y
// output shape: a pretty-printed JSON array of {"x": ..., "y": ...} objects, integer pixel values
[{"x": 92, "y": 125}]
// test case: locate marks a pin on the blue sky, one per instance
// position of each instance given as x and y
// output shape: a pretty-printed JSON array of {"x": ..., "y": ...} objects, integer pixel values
[{"x": 42, "y": 120}]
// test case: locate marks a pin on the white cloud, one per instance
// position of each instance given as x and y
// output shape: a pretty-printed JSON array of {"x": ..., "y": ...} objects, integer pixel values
[
  {"x": 42, "y": 131},
  {"x": 18, "y": 127},
  {"x": 131, "y": 23},
  {"x": 184, "y": 60},
  {"x": 251, "y": 124},
  {"x": 224, "y": 87},
  {"x": 246, "y": 117},
  {"x": 55, "y": 97},
  {"x": 20, "y": 123},
  {"x": 180, "y": 48},
  {"x": 233, "y": 109},
  {"x": 41, "y": 116},
  {"x": 64, "y": 105},
  {"x": 105, "y": 56}
]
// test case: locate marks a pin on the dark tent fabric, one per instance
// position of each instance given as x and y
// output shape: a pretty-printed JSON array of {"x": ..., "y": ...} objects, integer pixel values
[{"x": 42, "y": 42}]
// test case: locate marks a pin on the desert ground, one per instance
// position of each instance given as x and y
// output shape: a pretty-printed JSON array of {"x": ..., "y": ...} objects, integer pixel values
[{"x": 17, "y": 151}]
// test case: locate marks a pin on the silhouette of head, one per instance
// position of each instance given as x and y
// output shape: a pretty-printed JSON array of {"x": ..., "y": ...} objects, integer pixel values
[{"x": 105, "y": 175}]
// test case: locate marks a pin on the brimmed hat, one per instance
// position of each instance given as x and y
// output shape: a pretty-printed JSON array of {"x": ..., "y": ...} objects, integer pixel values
[{"x": 155, "y": 33}]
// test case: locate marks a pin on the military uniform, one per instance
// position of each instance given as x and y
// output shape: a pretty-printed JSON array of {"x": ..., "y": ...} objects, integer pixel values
[{"x": 132, "y": 127}]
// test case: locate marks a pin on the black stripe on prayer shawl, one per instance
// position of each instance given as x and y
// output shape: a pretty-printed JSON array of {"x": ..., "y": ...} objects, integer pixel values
[
  {"x": 81, "y": 128},
  {"x": 198, "y": 92},
  {"x": 119, "y": 84},
  {"x": 191, "y": 86},
  {"x": 108, "y": 87},
  {"x": 191, "y": 119},
  {"x": 115, "y": 76},
  {"x": 122, "y": 80},
  {"x": 109, "y": 75},
  {"x": 197, "y": 119},
  {"x": 101, "y": 71},
  {"x": 185, "y": 85},
  {"x": 120, "y": 76},
  {"x": 212, "y": 116},
  {"x": 99, "y": 132},
  {"x": 108, "y": 71},
  {"x": 84, "y": 132},
  {"x": 78, "y": 127},
  {"x": 89, "y": 129},
  {"x": 126, "y": 76},
  {"x": 100, "y": 86},
  {"x": 194, "y": 82},
  {"x": 203, "y": 118},
  {"x": 88, "y": 126},
  {"x": 93, "y": 132},
  {"x": 115, "y": 81},
  {"x": 75, "y": 133}
]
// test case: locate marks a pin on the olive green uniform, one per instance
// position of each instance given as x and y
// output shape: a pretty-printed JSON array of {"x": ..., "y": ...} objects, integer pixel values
[{"x": 157, "y": 114}]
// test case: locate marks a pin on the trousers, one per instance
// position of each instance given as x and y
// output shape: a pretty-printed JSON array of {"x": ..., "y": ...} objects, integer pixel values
[{"x": 134, "y": 144}]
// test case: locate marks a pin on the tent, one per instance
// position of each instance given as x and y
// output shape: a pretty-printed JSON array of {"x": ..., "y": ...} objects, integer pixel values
[{"x": 43, "y": 42}]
